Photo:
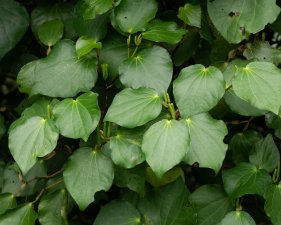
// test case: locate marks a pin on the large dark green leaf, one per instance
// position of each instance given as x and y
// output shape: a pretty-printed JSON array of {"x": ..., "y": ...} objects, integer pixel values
[
  {"x": 151, "y": 67},
  {"x": 52, "y": 208},
  {"x": 118, "y": 213},
  {"x": 54, "y": 75},
  {"x": 258, "y": 84},
  {"x": 265, "y": 154},
  {"x": 35, "y": 137},
  {"x": 245, "y": 178},
  {"x": 133, "y": 15},
  {"x": 162, "y": 31},
  {"x": 7, "y": 201},
  {"x": 234, "y": 18},
  {"x": 14, "y": 22},
  {"x": 23, "y": 215},
  {"x": 237, "y": 217},
  {"x": 162, "y": 147},
  {"x": 198, "y": 89},
  {"x": 77, "y": 118},
  {"x": 273, "y": 203},
  {"x": 134, "y": 107},
  {"x": 211, "y": 204},
  {"x": 274, "y": 121},
  {"x": 96, "y": 7},
  {"x": 206, "y": 141},
  {"x": 87, "y": 171}
]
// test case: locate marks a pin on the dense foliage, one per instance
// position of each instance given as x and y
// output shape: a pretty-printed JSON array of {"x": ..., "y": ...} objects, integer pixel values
[{"x": 140, "y": 112}]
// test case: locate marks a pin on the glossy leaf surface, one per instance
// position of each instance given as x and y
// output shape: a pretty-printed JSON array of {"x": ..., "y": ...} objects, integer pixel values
[
  {"x": 238, "y": 217},
  {"x": 272, "y": 203}
]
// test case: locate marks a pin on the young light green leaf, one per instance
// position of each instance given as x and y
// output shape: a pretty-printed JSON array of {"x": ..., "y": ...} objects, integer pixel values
[
  {"x": 236, "y": 17},
  {"x": 162, "y": 31},
  {"x": 14, "y": 22},
  {"x": 126, "y": 148},
  {"x": 237, "y": 217},
  {"x": 52, "y": 208},
  {"x": 198, "y": 89},
  {"x": 35, "y": 137},
  {"x": 151, "y": 67},
  {"x": 7, "y": 201},
  {"x": 86, "y": 44},
  {"x": 77, "y": 118},
  {"x": 190, "y": 14},
  {"x": 211, "y": 204},
  {"x": 134, "y": 107},
  {"x": 54, "y": 75},
  {"x": 272, "y": 205},
  {"x": 206, "y": 141},
  {"x": 50, "y": 32},
  {"x": 162, "y": 147},
  {"x": 245, "y": 178},
  {"x": 118, "y": 213},
  {"x": 274, "y": 121},
  {"x": 258, "y": 84},
  {"x": 133, "y": 15},
  {"x": 242, "y": 143},
  {"x": 87, "y": 171},
  {"x": 23, "y": 215}
]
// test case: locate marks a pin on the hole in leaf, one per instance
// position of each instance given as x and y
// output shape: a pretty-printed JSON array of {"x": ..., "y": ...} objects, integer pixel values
[
  {"x": 232, "y": 14},
  {"x": 242, "y": 30},
  {"x": 125, "y": 17}
]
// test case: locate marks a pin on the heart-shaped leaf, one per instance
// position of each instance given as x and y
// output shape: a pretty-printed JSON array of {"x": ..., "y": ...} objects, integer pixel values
[
  {"x": 258, "y": 84},
  {"x": 7, "y": 201},
  {"x": 162, "y": 31},
  {"x": 238, "y": 217},
  {"x": 132, "y": 16},
  {"x": 151, "y": 67},
  {"x": 206, "y": 141},
  {"x": 86, "y": 44},
  {"x": 14, "y": 21},
  {"x": 245, "y": 178},
  {"x": 190, "y": 14},
  {"x": 24, "y": 215},
  {"x": 77, "y": 118},
  {"x": 273, "y": 203},
  {"x": 134, "y": 107},
  {"x": 236, "y": 17},
  {"x": 54, "y": 75},
  {"x": 198, "y": 89},
  {"x": 35, "y": 137},
  {"x": 50, "y": 32},
  {"x": 96, "y": 173},
  {"x": 161, "y": 146}
]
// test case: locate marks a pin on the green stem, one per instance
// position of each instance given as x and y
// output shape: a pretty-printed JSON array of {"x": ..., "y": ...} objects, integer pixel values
[
  {"x": 128, "y": 45},
  {"x": 135, "y": 51},
  {"x": 276, "y": 173},
  {"x": 108, "y": 129},
  {"x": 172, "y": 110},
  {"x": 49, "y": 111}
]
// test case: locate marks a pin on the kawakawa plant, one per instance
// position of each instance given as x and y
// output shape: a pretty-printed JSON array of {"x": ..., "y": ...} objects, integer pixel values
[{"x": 140, "y": 112}]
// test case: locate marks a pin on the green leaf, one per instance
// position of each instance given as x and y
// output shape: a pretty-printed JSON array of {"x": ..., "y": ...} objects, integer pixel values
[
  {"x": 237, "y": 217},
  {"x": 138, "y": 105},
  {"x": 50, "y": 32},
  {"x": 54, "y": 75},
  {"x": 258, "y": 84},
  {"x": 90, "y": 171},
  {"x": 52, "y": 208},
  {"x": 272, "y": 205},
  {"x": 240, "y": 106},
  {"x": 7, "y": 201},
  {"x": 162, "y": 31},
  {"x": 235, "y": 17},
  {"x": 265, "y": 154},
  {"x": 206, "y": 141},
  {"x": 211, "y": 204},
  {"x": 86, "y": 44},
  {"x": 245, "y": 178},
  {"x": 23, "y": 215},
  {"x": 168, "y": 205},
  {"x": 151, "y": 67},
  {"x": 198, "y": 89},
  {"x": 14, "y": 22},
  {"x": 133, "y": 15},
  {"x": 242, "y": 143},
  {"x": 96, "y": 7},
  {"x": 162, "y": 147},
  {"x": 118, "y": 213},
  {"x": 190, "y": 14},
  {"x": 274, "y": 121},
  {"x": 77, "y": 118},
  {"x": 126, "y": 148},
  {"x": 36, "y": 137}
]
